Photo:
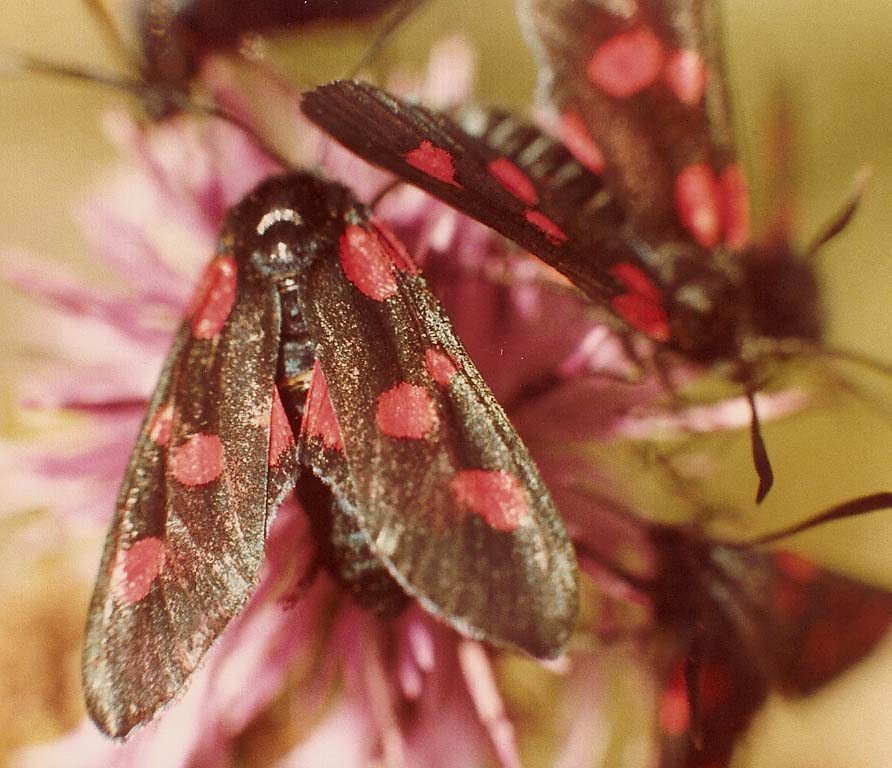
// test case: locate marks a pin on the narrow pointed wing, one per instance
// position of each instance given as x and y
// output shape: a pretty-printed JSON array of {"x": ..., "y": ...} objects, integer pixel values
[
  {"x": 821, "y": 624},
  {"x": 645, "y": 87},
  {"x": 400, "y": 423},
  {"x": 214, "y": 457},
  {"x": 507, "y": 175},
  {"x": 744, "y": 622}
]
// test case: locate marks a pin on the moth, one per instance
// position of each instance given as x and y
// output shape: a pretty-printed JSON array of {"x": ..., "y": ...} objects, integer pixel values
[
  {"x": 733, "y": 621},
  {"x": 640, "y": 202},
  {"x": 171, "y": 39},
  {"x": 314, "y": 358}
]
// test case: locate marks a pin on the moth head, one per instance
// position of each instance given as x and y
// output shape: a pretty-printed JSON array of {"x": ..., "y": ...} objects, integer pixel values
[{"x": 289, "y": 220}]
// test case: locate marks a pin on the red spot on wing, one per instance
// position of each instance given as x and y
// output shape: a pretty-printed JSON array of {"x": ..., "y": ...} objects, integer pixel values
[
  {"x": 406, "y": 411},
  {"x": 434, "y": 161},
  {"x": 627, "y": 63},
  {"x": 640, "y": 307},
  {"x": 162, "y": 425},
  {"x": 735, "y": 204},
  {"x": 214, "y": 298},
  {"x": 281, "y": 437},
  {"x": 440, "y": 365},
  {"x": 685, "y": 74},
  {"x": 551, "y": 230},
  {"x": 397, "y": 252},
  {"x": 636, "y": 280},
  {"x": 674, "y": 710},
  {"x": 319, "y": 416},
  {"x": 198, "y": 460},
  {"x": 496, "y": 495},
  {"x": 697, "y": 201},
  {"x": 514, "y": 180},
  {"x": 796, "y": 567},
  {"x": 136, "y": 568},
  {"x": 578, "y": 140},
  {"x": 366, "y": 263}
]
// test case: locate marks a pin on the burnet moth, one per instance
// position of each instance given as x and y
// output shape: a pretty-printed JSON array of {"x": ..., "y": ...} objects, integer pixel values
[
  {"x": 642, "y": 203},
  {"x": 174, "y": 37},
  {"x": 313, "y": 357},
  {"x": 733, "y": 622}
]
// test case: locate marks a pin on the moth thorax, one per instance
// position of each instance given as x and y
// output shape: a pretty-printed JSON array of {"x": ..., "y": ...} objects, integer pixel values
[{"x": 706, "y": 318}]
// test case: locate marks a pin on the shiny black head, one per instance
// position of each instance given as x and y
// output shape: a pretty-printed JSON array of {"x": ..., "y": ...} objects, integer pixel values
[{"x": 285, "y": 222}]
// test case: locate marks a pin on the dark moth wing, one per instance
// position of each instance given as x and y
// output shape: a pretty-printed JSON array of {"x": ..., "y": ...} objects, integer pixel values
[
  {"x": 211, "y": 463},
  {"x": 746, "y": 622},
  {"x": 822, "y": 623},
  {"x": 426, "y": 479},
  {"x": 515, "y": 179},
  {"x": 414, "y": 445},
  {"x": 643, "y": 87}
]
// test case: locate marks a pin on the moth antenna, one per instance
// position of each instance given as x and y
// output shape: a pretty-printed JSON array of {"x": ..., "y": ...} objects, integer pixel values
[
  {"x": 760, "y": 453},
  {"x": 844, "y": 215},
  {"x": 391, "y": 186},
  {"x": 861, "y": 505},
  {"x": 849, "y": 356},
  {"x": 392, "y": 23},
  {"x": 112, "y": 34},
  {"x": 13, "y": 63}
]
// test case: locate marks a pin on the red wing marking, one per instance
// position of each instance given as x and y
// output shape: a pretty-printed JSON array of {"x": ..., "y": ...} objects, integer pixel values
[
  {"x": 674, "y": 709},
  {"x": 497, "y": 496},
  {"x": 685, "y": 74},
  {"x": 406, "y": 411},
  {"x": 136, "y": 568},
  {"x": 440, "y": 365},
  {"x": 640, "y": 307},
  {"x": 514, "y": 180},
  {"x": 434, "y": 161},
  {"x": 697, "y": 203},
  {"x": 796, "y": 567},
  {"x": 551, "y": 230},
  {"x": 642, "y": 314},
  {"x": 735, "y": 198},
  {"x": 319, "y": 417},
  {"x": 162, "y": 424},
  {"x": 198, "y": 460},
  {"x": 366, "y": 263},
  {"x": 627, "y": 63},
  {"x": 636, "y": 280},
  {"x": 577, "y": 139},
  {"x": 214, "y": 298},
  {"x": 281, "y": 437}
]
